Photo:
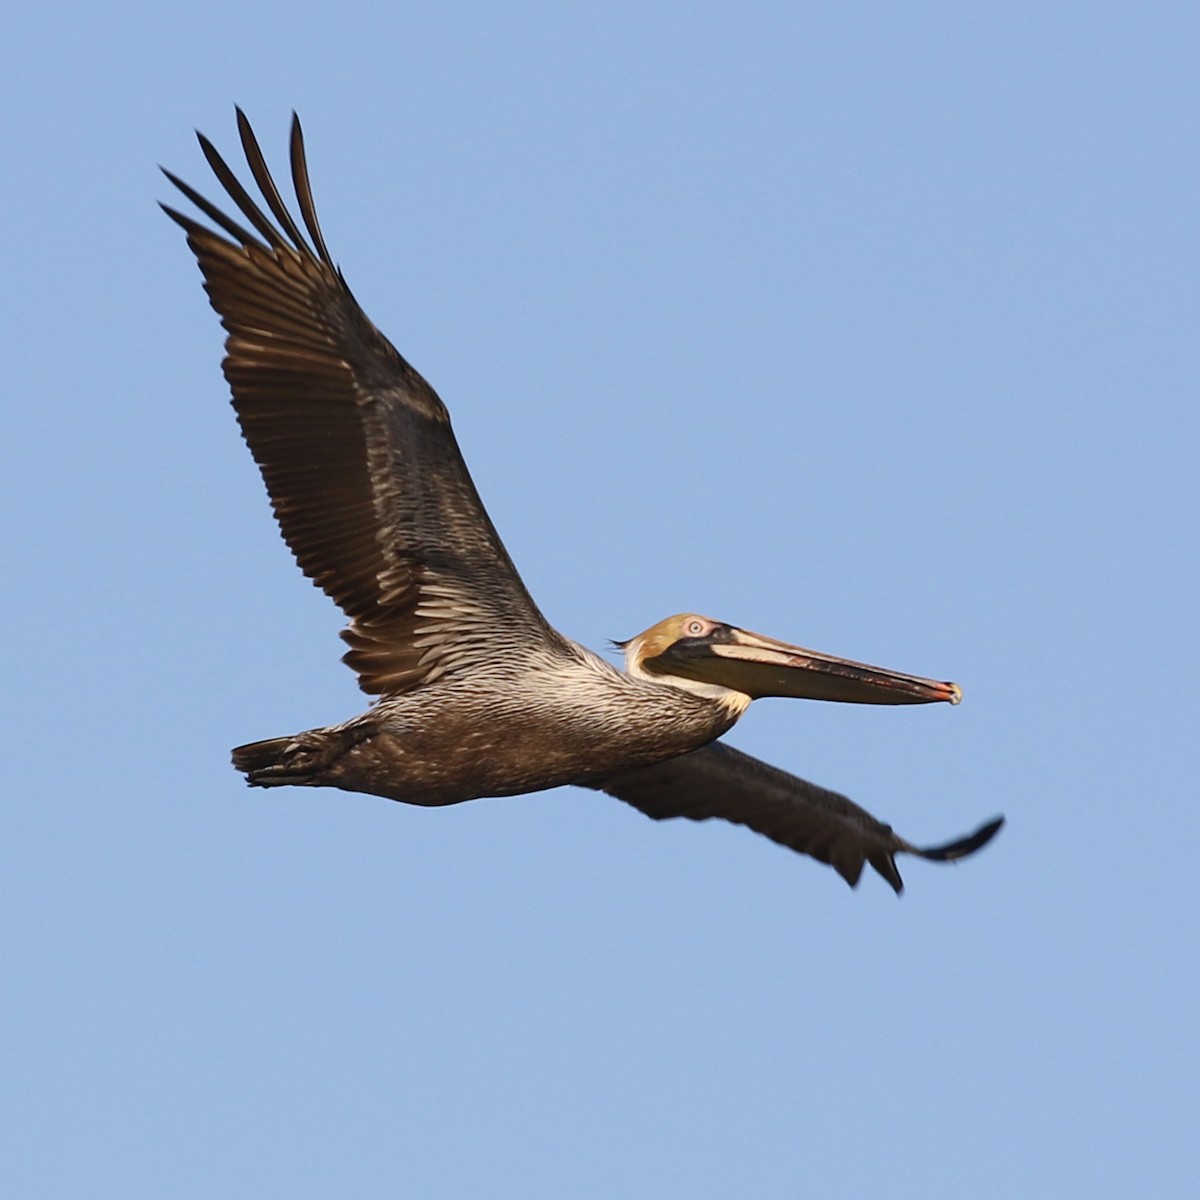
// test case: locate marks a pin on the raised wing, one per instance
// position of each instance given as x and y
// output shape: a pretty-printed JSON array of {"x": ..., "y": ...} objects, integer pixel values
[
  {"x": 356, "y": 450},
  {"x": 719, "y": 781}
]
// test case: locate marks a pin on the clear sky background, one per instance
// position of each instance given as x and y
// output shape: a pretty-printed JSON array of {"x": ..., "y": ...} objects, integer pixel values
[{"x": 870, "y": 326}]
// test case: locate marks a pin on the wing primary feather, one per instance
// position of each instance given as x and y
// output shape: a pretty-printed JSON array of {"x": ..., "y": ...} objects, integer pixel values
[
  {"x": 212, "y": 212},
  {"x": 885, "y": 864},
  {"x": 961, "y": 847},
  {"x": 266, "y": 183},
  {"x": 239, "y": 195},
  {"x": 308, "y": 210},
  {"x": 189, "y": 226}
]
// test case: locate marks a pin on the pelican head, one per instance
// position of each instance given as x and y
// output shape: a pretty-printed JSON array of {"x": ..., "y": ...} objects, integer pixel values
[{"x": 711, "y": 658}]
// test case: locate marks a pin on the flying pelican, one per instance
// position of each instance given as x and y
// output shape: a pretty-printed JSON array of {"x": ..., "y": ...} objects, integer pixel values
[{"x": 476, "y": 694}]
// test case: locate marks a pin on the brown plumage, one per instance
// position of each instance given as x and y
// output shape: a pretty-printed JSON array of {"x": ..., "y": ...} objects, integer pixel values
[{"x": 478, "y": 694}]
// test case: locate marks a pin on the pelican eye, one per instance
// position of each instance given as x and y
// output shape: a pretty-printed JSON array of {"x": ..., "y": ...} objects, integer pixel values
[{"x": 695, "y": 627}]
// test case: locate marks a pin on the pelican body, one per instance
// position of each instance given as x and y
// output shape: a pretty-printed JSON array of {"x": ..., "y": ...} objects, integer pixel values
[
  {"x": 558, "y": 714},
  {"x": 460, "y": 739},
  {"x": 477, "y": 695}
]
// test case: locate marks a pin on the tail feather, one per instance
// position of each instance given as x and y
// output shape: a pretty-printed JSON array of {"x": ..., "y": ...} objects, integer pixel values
[
  {"x": 276, "y": 762},
  {"x": 258, "y": 756},
  {"x": 302, "y": 758}
]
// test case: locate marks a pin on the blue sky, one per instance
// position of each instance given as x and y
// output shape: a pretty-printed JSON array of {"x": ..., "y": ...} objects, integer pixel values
[{"x": 869, "y": 326}]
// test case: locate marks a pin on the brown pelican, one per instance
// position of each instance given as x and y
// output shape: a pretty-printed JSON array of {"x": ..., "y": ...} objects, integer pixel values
[{"x": 477, "y": 694}]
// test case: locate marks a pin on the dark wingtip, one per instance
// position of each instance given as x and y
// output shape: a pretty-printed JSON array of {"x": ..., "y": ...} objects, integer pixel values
[
  {"x": 885, "y": 866},
  {"x": 850, "y": 869},
  {"x": 303, "y": 189},
  {"x": 964, "y": 846},
  {"x": 185, "y": 223}
]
